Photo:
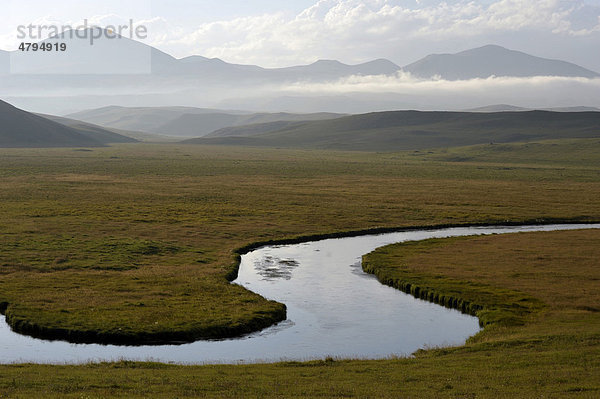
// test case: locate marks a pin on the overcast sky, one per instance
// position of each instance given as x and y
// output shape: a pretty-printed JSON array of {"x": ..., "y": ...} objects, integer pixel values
[{"x": 289, "y": 32}]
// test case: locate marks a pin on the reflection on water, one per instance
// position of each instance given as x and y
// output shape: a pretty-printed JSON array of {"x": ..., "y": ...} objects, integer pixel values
[
  {"x": 334, "y": 309},
  {"x": 270, "y": 268}
]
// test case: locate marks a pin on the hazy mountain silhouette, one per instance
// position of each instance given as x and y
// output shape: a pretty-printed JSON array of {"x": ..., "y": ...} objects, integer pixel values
[
  {"x": 105, "y": 57},
  {"x": 493, "y": 60},
  {"x": 138, "y": 58},
  {"x": 414, "y": 130},
  {"x": 204, "y": 67},
  {"x": 126, "y": 72},
  {"x": 19, "y": 128},
  {"x": 143, "y": 119},
  {"x": 135, "y": 57},
  {"x": 184, "y": 121},
  {"x": 332, "y": 69}
]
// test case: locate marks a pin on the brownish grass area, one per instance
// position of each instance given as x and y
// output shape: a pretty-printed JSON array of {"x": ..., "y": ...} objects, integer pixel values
[
  {"x": 133, "y": 243},
  {"x": 554, "y": 354}
]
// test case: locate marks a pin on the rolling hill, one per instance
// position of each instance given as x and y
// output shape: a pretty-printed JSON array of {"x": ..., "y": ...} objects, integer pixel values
[
  {"x": 253, "y": 129},
  {"x": 184, "y": 121},
  {"x": 492, "y": 60},
  {"x": 19, "y": 128},
  {"x": 194, "y": 125},
  {"x": 414, "y": 130}
]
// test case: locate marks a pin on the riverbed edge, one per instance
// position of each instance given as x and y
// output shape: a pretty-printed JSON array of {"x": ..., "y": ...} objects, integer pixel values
[
  {"x": 29, "y": 328},
  {"x": 233, "y": 274}
]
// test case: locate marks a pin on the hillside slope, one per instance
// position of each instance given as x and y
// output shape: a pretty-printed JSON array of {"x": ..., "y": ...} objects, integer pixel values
[
  {"x": 195, "y": 125},
  {"x": 414, "y": 130},
  {"x": 19, "y": 128}
]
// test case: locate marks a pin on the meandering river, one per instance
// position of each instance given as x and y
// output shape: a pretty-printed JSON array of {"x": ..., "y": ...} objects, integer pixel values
[{"x": 334, "y": 309}]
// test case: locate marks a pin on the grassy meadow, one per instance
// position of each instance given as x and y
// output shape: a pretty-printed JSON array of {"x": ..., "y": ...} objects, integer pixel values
[
  {"x": 134, "y": 243},
  {"x": 554, "y": 352}
]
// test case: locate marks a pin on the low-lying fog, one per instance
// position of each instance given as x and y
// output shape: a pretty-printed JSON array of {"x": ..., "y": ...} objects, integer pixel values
[{"x": 354, "y": 94}]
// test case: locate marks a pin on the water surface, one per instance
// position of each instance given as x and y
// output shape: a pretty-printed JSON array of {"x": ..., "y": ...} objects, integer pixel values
[{"x": 334, "y": 309}]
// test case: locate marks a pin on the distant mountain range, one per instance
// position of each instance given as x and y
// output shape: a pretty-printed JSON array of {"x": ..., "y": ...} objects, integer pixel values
[
  {"x": 19, "y": 128},
  {"x": 412, "y": 130},
  {"x": 138, "y": 58},
  {"x": 184, "y": 121},
  {"x": 85, "y": 77}
]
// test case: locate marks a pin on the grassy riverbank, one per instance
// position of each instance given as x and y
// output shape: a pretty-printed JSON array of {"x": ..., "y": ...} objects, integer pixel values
[
  {"x": 136, "y": 241},
  {"x": 555, "y": 352}
]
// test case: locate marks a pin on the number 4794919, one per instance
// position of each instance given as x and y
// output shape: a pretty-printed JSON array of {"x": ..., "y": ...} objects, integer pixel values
[{"x": 43, "y": 47}]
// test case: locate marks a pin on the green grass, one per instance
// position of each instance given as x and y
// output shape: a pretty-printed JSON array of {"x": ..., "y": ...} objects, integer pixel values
[
  {"x": 555, "y": 353},
  {"x": 505, "y": 280},
  {"x": 134, "y": 243},
  {"x": 549, "y": 152},
  {"x": 137, "y": 241},
  {"x": 491, "y": 304}
]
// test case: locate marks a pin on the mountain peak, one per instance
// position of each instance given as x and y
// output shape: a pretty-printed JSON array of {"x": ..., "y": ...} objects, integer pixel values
[
  {"x": 493, "y": 60},
  {"x": 488, "y": 50},
  {"x": 327, "y": 62},
  {"x": 494, "y": 47}
]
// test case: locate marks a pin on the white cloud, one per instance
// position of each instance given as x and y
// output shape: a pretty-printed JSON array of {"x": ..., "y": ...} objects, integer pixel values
[
  {"x": 405, "y": 83},
  {"x": 404, "y": 91},
  {"x": 357, "y": 30}
]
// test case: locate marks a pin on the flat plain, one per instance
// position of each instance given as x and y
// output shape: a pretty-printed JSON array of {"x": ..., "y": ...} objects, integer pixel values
[{"x": 137, "y": 241}]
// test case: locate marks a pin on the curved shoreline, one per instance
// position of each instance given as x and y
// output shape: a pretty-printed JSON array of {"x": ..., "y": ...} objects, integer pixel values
[
  {"x": 265, "y": 320},
  {"x": 232, "y": 275},
  {"x": 430, "y": 288},
  {"x": 151, "y": 339}
]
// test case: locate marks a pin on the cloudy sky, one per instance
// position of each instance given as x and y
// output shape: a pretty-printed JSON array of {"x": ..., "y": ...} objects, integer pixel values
[{"x": 289, "y": 32}]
